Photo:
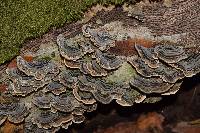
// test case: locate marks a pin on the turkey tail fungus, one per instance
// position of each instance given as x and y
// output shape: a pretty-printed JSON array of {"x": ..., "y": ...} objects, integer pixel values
[{"x": 103, "y": 63}]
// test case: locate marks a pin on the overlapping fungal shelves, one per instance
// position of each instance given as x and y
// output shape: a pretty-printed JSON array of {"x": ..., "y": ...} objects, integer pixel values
[
  {"x": 100, "y": 64},
  {"x": 48, "y": 95}
]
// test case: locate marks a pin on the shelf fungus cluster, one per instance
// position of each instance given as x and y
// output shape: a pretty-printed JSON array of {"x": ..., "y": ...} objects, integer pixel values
[
  {"x": 40, "y": 94},
  {"x": 47, "y": 95}
]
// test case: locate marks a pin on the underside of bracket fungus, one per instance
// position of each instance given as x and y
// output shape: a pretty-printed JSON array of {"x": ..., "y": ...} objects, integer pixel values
[{"x": 97, "y": 65}]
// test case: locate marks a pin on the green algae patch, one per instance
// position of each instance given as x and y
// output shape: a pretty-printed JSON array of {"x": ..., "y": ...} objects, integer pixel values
[
  {"x": 24, "y": 19},
  {"x": 48, "y": 51},
  {"x": 123, "y": 74}
]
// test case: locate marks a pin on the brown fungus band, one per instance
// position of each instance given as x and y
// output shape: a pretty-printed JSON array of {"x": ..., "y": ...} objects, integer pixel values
[{"x": 48, "y": 94}]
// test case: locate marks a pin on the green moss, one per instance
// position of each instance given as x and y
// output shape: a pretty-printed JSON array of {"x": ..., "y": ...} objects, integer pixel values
[
  {"x": 46, "y": 58},
  {"x": 123, "y": 74},
  {"x": 23, "y": 19}
]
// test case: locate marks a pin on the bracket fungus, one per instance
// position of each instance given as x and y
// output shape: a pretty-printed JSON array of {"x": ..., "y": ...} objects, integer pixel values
[
  {"x": 148, "y": 55},
  {"x": 108, "y": 61},
  {"x": 29, "y": 127},
  {"x": 50, "y": 94},
  {"x": 55, "y": 87},
  {"x": 37, "y": 68},
  {"x": 68, "y": 78},
  {"x": 167, "y": 73},
  {"x": 130, "y": 97},
  {"x": 41, "y": 100},
  {"x": 47, "y": 119},
  {"x": 100, "y": 37},
  {"x": 22, "y": 84},
  {"x": 150, "y": 85},
  {"x": 83, "y": 96},
  {"x": 69, "y": 48},
  {"x": 72, "y": 64},
  {"x": 13, "y": 109},
  {"x": 170, "y": 53},
  {"x": 190, "y": 66}
]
